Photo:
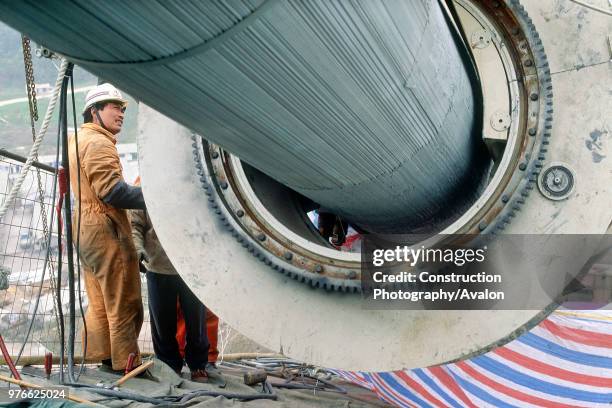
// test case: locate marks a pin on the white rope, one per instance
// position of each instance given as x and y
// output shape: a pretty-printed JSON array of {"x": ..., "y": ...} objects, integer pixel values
[
  {"x": 592, "y": 7},
  {"x": 39, "y": 138}
]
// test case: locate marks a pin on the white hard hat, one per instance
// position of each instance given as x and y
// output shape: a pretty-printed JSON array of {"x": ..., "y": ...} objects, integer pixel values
[{"x": 101, "y": 93}]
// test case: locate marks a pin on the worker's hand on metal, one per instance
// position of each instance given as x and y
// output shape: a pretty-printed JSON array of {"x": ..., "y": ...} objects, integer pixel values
[{"x": 142, "y": 258}]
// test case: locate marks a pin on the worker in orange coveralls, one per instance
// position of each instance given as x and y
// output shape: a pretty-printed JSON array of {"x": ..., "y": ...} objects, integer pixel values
[
  {"x": 107, "y": 253},
  {"x": 212, "y": 332}
]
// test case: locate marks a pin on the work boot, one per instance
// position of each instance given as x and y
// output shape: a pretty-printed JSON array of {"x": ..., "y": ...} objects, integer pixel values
[
  {"x": 212, "y": 368},
  {"x": 215, "y": 376},
  {"x": 200, "y": 375}
]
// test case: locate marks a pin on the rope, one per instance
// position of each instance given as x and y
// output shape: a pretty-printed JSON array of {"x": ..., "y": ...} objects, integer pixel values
[{"x": 37, "y": 142}]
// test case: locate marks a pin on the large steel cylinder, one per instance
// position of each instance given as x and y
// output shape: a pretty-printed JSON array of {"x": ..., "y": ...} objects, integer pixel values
[{"x": 365, "y": 106}]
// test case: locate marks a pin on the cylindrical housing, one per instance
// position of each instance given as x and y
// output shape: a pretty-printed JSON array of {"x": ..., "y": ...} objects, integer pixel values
[{"x": 363, "y": 106}]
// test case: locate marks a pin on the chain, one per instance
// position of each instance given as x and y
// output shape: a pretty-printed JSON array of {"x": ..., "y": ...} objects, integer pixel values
[
  {"x": 31, "y": 91},
  {"x": 29, "y": 72}
]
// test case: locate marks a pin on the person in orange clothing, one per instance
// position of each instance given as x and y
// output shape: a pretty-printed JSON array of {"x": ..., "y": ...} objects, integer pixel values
[
  {"x": 108, "y": 257},
  {"x": 212, "y": 332}
]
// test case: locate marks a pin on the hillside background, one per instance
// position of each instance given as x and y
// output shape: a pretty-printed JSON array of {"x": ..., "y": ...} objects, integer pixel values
[{"x": 15, "y": 131}]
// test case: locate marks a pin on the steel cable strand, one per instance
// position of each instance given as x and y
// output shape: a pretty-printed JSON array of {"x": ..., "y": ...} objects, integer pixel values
[
  {"x": 78, "y": 240},
  {"x": 37, "y": 142},
  {"x": 63, "y": 124}
]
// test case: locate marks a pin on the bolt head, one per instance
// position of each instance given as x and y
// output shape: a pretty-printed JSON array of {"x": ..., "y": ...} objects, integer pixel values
[
  {"x": 318, "y": 269},
  {"x": 223, "y": 185},
  {"x": 528, "y": 63},
  {"x": 352, "y": 274},
  {"x": 533, "y": 96},
  {"x": 240, "y": 213},
  {"x": 261, "y": 237},
  {"x": 532, "y": 131},
  {"x": 522, "y": 166},
  {"x": 215, "y": 155},
  {"x": 505, "y": 198},
  {"x": 288, "y": 256}
]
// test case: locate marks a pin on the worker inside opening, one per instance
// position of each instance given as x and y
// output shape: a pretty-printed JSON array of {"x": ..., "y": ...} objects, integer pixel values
[{"x": 107, "y": 253}]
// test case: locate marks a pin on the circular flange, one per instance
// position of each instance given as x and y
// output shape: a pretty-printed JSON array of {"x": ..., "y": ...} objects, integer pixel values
[
  {"x": 312, "y": 325},
  {"x": 516, "y": 40},
  {"x": 557, "y": 181}
]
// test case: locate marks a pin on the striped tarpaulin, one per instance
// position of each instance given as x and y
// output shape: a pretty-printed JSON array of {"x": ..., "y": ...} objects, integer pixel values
[{"x": 565, "y": 361}]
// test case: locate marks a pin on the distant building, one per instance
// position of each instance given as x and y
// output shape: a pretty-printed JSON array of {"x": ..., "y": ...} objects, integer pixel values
[{"x": 43, "y": 89}]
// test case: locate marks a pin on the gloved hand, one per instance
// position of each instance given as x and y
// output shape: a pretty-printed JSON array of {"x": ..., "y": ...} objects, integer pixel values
[{"x": 142, "y": 257}]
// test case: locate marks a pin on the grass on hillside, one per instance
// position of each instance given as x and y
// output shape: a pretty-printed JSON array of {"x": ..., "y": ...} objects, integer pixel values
[{"x": 16, "y": 133}]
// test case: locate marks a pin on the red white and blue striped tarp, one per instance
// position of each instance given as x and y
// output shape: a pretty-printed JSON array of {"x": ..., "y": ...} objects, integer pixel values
[{"x": 565, "y": 361}]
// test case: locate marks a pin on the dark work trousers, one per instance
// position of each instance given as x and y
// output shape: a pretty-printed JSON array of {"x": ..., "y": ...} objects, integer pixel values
[{"x": 163, "y": 293}]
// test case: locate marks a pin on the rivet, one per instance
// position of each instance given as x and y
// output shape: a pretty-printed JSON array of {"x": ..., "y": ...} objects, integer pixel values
[
  {"x": 240, "y": 213},
  {"x": 288, "y": 256},
  {"x": 223, "y": 185},
  {"x": 515, "y": 31},
  {"x": 533, "y": 96},
  {"x": 352, "y": 274},
  {"x": 482, "y": 226},
  {"x": 215, "y": 155},
  {"x": 505, "y": 198},
  {"x": 532, "y": 131},
  {"x": 522, "y": 166},
  {"x": 318, "y": 269},
  {"x": 528, "y": 63},
  {"x": 261, "y": 237}
]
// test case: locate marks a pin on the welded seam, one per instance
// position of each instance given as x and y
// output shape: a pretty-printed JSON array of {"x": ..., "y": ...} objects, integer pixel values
[{"x": 195, "y": 50}]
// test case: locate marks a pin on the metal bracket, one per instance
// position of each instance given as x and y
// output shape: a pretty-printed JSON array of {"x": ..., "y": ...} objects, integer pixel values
[
  {"x": 480, "y": 39},
  {"x": 500, "y": 121},
  {"x": 43, "y": 52}
]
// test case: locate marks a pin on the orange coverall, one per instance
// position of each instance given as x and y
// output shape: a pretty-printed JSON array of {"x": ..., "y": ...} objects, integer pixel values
[
  {"x": 212, "y": 332},
  {"x": 108, "y": 256}
]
